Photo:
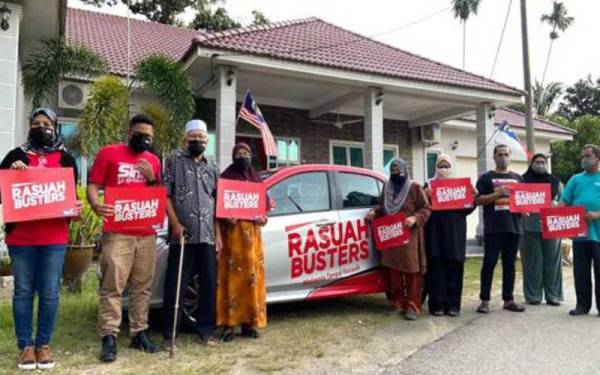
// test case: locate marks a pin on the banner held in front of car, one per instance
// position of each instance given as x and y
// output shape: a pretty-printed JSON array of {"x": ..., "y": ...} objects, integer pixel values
[
  {"x": 451, "y": 194},
  {"x": 390, "y": 232},
  {"x": 240, "y": 199},
  {"x": 37, "y": 194},
  {"x": 135, "y": 207}
]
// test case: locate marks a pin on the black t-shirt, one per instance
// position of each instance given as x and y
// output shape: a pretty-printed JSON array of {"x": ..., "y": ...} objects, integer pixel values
[{"x": 496, "y": 215}]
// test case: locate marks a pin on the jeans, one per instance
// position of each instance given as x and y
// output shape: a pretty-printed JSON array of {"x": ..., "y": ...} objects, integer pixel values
[
  {"x": 36, "y": 269},
  {"x": 495, "y": 244},
  {"x": 200, "y": 260}
]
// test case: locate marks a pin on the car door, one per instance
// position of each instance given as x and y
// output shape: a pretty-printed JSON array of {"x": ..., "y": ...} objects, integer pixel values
[
  {"x": 357, "y": 193},
  {"x": 296, "y": 238}
]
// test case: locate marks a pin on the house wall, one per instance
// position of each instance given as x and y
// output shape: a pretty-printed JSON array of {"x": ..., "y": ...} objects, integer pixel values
[{"x": 9, "y": 82}]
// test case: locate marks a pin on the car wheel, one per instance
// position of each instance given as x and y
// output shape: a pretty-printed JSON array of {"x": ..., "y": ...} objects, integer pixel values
[{"x": 190, "y": 303}]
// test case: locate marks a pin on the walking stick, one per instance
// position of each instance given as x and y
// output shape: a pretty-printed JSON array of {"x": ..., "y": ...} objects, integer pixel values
[{"x": 178, "y": 291}]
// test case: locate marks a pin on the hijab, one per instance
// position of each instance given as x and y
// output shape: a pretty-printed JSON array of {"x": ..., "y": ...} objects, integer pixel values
[
  {"x": 394, "y": 195},
  {"x": 234, "y": 173},
  {"x": 531, "y": 176},
  {"x": 57, "y": 143},
  {"x": 441, "y": 158}
]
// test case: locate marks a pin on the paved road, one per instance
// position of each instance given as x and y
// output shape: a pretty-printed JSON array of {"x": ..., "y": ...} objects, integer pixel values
[{"x": 543, "y": 340}]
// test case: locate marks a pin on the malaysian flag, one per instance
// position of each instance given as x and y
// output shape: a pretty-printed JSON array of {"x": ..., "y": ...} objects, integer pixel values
[{"x": 251, "y": 113}]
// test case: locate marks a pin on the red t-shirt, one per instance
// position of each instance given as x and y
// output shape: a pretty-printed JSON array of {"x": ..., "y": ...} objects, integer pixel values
[
  {"x": 40, "y": 232},
  {"x": 115, "y": 165}
]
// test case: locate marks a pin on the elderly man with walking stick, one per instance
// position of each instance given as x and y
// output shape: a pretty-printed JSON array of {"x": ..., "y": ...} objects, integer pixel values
[{"x": 191, "y": 181}]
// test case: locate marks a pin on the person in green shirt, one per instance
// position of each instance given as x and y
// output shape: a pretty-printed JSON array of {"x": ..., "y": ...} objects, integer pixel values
[
  {"x": 542, "y": 268},
  {"x": 583, "y": 189}
]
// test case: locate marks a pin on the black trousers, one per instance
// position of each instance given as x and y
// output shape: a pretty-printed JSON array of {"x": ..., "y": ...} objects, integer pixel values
[
  {"x": 586, "y": 253},
  {"x": 495, "y": 244},
  {"x": 444, "y": 281},
  {"x": 199, "y": 259}
]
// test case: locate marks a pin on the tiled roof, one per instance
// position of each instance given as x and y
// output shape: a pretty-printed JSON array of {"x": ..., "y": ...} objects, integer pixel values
[
  {"x": 517, "y": 119},
  {"x": 313, "y": 41},
  {"x": 107, "y": 36},
  {"x": 309, "y": 41}
]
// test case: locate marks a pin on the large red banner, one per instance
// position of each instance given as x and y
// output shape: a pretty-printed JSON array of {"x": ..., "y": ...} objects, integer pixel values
[
  {"x": 37, "y": 194},
  {"x": 240, "y": 199},
  {"x": 563, "y": 222},
  {"x": 390, "y": 232},
  {"x": 135, "y": 207},
  {"x": 529, "y": 198},
  {"x": 451, "y": 194}
]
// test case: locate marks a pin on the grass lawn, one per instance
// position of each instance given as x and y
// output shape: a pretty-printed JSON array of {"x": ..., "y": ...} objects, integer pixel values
[{"x": 298, "y": 333}]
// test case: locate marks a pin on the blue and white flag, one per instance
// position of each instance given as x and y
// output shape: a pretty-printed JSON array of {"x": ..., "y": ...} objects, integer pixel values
[{"x": 506, "y": 136}]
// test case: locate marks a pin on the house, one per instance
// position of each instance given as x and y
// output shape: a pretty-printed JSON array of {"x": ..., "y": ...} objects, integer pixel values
[{"x": 328, "y": 94}]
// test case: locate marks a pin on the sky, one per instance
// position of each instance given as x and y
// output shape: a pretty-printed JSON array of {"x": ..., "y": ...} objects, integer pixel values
[{"x": 400, "y": 23}]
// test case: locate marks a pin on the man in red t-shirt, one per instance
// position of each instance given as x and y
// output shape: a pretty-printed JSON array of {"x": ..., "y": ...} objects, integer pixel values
[{"x": 127, "y": 255}]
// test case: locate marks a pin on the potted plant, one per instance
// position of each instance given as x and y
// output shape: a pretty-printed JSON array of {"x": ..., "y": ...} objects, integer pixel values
[{"x": 83, "y": 235}]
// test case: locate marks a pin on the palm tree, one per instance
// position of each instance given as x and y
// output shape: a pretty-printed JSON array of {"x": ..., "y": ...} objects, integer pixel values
[
  {"x": 559, "y": 20},
  {"x": 544, "y": 97},
  {"x": 55, "y": 59},
  {"x": 463, "y": 9}
]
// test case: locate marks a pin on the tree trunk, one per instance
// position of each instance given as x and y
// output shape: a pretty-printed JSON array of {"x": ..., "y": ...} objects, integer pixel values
[
  {"x": 547, "y": 61},
  {"x": 527, "y": 78}
]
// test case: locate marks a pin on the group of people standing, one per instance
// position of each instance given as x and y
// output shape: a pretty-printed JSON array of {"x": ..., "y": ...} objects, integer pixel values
[
  {"x": 227, "y": 255},
  {"x": 431, "y": 265}
]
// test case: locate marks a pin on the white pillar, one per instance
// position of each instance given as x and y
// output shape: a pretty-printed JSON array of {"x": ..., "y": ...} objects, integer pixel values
[
  {"x": 373, "y": 129},
  {"x": 485, "y": 147},
  {"x": 226, "y": 115},
  {"x": 9, "y": 82}
]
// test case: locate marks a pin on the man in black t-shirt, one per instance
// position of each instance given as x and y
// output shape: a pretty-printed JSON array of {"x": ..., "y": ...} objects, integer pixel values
[{"x": 502, "y": 229}]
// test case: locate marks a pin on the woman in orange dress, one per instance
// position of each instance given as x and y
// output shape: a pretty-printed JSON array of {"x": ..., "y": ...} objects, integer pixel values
[{"x": 241, "y": 291}]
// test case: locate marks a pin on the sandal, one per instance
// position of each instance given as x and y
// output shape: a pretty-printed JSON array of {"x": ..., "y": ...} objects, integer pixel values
[
  {"x": 228, "y": 335},
  {"x": 250, "y": 332}
]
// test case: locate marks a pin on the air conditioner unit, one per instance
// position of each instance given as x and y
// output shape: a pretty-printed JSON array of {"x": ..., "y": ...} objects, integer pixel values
[
  {"x": 431, "y": 133},
  {"x": 72, "y": 94}
]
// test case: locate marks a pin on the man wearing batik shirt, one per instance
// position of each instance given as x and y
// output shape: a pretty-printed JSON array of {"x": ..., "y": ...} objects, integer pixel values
[
  {"x": 502, "y": 229},
  {"x": 191, "y": 181},
  {"x": 127, "y": 255}
]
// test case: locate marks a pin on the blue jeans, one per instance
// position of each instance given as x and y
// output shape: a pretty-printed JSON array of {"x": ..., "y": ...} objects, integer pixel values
[{"x": 36, "y": 269}]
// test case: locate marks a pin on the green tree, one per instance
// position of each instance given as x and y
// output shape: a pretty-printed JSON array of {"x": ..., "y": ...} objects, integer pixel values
[
  {"x": 213, "y": 20},
  {"x": 104, "y": 116},
  {"x": 559, "y": 20},
  {"x": 566, "y": 155},
  {"x": 583, "y": 98},
  {"x": 463, "y": 10},
  {"x": 259, "y": 18},
  {"x": 544, "y": 98},
  {"x": 55, "y": 59}
]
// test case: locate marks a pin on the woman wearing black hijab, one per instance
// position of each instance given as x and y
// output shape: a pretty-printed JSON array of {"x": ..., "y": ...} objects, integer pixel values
[{"x": 542, "y": 273}]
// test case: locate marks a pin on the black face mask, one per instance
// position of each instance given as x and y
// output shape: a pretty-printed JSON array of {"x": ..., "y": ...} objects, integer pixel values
[
  {"x": 41, "y": 136},
  {"x": 398, "y": 179},
  {"x": 139, "y": 143},
  {"x": 196, "y": 148},
  {"x": 241, "y": 162}
]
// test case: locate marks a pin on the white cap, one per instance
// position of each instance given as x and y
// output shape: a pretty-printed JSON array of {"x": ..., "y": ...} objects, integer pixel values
[{"x": 195, "y": 125}]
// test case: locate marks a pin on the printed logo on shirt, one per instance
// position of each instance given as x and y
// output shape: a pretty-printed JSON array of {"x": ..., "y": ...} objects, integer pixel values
[
  {"x": 503, "y": 204},
  {"x": 129, "y": 174}
]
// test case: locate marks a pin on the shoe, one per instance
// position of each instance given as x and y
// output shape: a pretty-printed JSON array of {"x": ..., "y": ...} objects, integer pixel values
[
  {"x": 484, "y": 307},
  {"x": 109, "y": 349},
  {"x": 410, "y": 314},
  {"x": 44, "y": 358},
  {"x": 513, "y": 306},
  {"x": 228, "y": 335},
  {"x": 534, "y": 303},
  {"x": 552, "y": 303},
  {"x": 250, "y": 332},
  {"x": 27, "y": 360},
  {"x": 577, "y": 311},
  {"x": 208, "y": 340},
  {"x": 453, "y": 313},
  {"x": 437, "y": 313},
  {"x": 142, "y": 342}
]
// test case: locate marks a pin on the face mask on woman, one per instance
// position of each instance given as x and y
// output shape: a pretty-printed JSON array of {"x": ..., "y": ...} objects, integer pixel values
[
  {"x": 397, "y": 178},
  {"x": 241, "y": 162},
  {"x": 41, "y": 136},
  {"x": 444, "y": 172},
  {"x": 539, "y": 168}
]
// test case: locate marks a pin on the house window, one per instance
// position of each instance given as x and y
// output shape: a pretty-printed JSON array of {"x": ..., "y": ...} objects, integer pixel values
[
  {"x": 289, "y": 152},
  {"x": 352, "y": 154},
  {"x": 67, "y": 130},
  {"x": 431, "y": 156}
]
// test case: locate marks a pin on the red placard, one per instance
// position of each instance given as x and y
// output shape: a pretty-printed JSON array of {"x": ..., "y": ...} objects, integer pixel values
[
  {"x": 240, "y": 199},
  {"x": 529, "y": 197},
  {"x": 389, "y": 232},
  {"x": 451, "y": 194},
  {"x": 37, "y": 193},
  {"x": 563, "y": 222},
  {"x": 135, "y": 207}
]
